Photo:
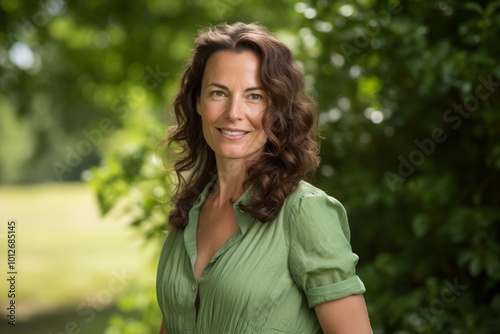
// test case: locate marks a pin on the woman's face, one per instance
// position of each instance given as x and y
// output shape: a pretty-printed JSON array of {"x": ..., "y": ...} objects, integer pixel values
[{"x": 231, "y": 105}]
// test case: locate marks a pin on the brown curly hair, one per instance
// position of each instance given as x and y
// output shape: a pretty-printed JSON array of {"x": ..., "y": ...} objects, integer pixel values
[{"x": 290, "y": 123}]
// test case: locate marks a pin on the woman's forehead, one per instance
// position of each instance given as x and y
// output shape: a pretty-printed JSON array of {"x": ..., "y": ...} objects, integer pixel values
[{"x": 228, "y": 67}]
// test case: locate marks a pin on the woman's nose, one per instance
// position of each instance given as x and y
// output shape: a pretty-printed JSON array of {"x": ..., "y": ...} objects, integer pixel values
[{"x": 234, "y": 109}]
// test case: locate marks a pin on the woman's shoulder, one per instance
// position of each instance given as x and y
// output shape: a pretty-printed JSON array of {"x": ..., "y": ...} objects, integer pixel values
[
  {"x": 310, "y": 203},
  {"x": 306, "y": 190}
]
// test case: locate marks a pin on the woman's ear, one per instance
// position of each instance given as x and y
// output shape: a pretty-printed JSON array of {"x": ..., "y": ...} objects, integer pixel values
[{"x": 198, "y": 110}]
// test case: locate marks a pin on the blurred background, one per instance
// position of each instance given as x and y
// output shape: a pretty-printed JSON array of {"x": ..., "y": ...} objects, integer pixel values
[{"x": 410, "y": 112}]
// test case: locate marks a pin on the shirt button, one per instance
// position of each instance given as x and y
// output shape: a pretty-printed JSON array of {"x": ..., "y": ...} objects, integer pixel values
[
  {"x": 189, "y": 332},
  {"x": 194, "y": 288}
]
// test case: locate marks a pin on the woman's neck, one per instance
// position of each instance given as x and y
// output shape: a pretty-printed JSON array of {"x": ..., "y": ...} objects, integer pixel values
[{"x": 232, "y": 175}]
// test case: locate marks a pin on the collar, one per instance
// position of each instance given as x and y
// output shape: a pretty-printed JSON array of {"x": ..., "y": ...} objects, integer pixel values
[{"x": 244, "y": 220}]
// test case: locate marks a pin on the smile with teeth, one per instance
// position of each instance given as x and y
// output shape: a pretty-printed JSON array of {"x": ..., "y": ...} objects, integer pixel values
[{"x": 232, "y": 133}]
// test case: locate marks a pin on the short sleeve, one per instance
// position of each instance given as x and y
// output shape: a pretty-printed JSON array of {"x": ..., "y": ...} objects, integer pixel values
[{"x": 320, "y": 256}]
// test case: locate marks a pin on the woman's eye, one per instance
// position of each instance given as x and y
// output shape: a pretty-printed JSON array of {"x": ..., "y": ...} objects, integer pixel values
[
  {"x": 218, "y": 93},
  {"x": 255, "y": 97}
]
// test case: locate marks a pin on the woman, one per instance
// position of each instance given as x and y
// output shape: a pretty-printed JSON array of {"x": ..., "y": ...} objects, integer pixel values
[{"x": 252, "y": 247}]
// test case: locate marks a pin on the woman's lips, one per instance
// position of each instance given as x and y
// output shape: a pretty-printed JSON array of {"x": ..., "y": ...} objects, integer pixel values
[{"x": 232, "y": 134}]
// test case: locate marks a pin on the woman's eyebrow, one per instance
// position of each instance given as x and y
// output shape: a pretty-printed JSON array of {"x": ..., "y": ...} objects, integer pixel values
[{"x": 224, "y": 87}]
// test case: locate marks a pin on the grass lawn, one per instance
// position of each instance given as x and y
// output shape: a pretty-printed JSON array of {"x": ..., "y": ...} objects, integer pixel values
[{"x": 71, "y": 262}]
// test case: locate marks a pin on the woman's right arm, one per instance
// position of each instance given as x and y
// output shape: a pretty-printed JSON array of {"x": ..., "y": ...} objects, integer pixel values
[{"x": 162, "y": 328}]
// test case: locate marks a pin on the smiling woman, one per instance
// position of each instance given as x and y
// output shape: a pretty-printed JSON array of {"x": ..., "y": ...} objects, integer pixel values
[
  {"x": 231, "y": 105},
  {"x": 253, "y": 247}
]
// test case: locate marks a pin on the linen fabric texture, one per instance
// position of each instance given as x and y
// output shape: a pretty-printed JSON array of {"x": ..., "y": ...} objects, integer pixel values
[{"x": 267, "y": 277}]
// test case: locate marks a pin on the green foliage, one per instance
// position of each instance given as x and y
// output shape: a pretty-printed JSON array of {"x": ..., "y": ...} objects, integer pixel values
[
  {"x": 141, "y": 314},
  {"x": 421, "y": 185},
  {"x": 409, "y": 97}
]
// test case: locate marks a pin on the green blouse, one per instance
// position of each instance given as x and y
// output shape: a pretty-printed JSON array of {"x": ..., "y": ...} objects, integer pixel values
[{"x": 267, "y": 277}]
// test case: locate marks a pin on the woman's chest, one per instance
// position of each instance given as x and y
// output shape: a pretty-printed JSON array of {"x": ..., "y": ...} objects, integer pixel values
[
  {"x": 246, "y": 270},
  {"x": 246, "y": 286},
  {"x": 213, "y": 231}
]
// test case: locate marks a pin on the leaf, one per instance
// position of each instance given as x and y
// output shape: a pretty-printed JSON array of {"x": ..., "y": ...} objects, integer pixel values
[
  {"x": 420, "y": 225},
  {"x": 475, "y": 7},
  {"x": 475, "y": 266},
  {"x": 492, "y": 7},
  {"x": 464, "y": 257}
]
